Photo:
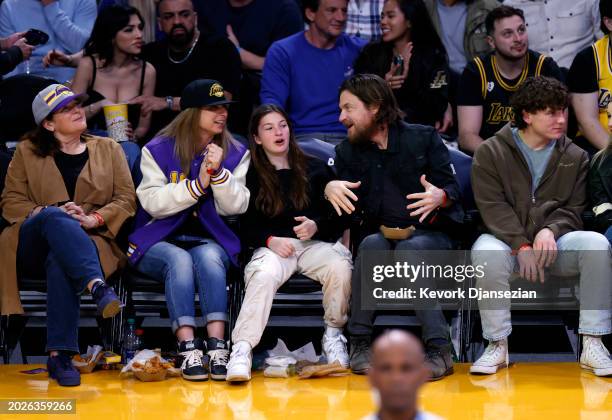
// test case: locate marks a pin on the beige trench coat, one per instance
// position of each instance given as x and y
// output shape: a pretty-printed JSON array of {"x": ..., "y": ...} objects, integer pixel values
[{"x": 104, "y": 185}]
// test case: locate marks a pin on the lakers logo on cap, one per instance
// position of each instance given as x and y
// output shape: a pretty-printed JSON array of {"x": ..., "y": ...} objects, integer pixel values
[
  {"x": 216, "y": 90},
  {"x": 56, "y": 95}
]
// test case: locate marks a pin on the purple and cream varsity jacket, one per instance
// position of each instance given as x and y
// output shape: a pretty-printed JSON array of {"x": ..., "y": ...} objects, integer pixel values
[{"x": 167, "y": 196}]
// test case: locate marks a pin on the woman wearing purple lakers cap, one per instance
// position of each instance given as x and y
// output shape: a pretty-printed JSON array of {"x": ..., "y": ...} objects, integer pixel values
[
  {"x": 193, "y": 173},
  {"x": 66, "y": 196}
]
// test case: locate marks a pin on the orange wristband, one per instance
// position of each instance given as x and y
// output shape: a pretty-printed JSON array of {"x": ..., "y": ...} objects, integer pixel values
[
  {"x": 99, "y": 218},
  {"x": 268, "y": 241},
  {"x": 522, "y": 247}
]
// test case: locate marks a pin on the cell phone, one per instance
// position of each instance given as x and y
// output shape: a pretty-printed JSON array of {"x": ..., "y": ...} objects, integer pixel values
[
  {"x": 398, "y": 60},
  {"x": 35, "y": 37}
]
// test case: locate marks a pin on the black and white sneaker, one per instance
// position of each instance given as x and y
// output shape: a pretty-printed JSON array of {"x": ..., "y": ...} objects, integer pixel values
[
  {"x": 219, "y": 355},
  {"x": 194, "y": 366}
]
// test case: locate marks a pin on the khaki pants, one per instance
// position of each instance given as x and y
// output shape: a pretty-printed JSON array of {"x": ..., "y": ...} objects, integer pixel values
[{"x": 329, "y": 264}]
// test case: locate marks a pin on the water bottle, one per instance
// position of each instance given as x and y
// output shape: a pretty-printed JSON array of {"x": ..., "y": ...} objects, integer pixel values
[
  {"x": 139, "y": 339},
  {"x": 130, "y": 341}
]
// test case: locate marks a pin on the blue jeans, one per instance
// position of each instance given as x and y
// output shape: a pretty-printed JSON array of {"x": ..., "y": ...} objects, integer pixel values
[
  {"x": 590, "y": 260},
  {"x": 132, "y": 155},
  {"x": 182, "y": 264},
  {"x": 608, "y": 235},
  {"x": 432, "y": 321},
  {"x": 54, "y": 245}
]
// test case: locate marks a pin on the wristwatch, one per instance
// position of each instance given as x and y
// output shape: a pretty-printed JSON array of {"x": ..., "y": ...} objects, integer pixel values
[{"x": 170, "y": 102}]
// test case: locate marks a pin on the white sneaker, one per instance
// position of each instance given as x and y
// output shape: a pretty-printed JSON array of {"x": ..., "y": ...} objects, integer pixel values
[
  {"x": 334, "y": 349},
  {"x": 495, "y": 357},
  {"x": 241, "y": 361},
  {"x": 595, "y": 356}
]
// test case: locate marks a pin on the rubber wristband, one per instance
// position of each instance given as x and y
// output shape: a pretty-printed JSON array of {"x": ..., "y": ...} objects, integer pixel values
[
  {"x": 268, "y": 241},
  {"x": 445, "y": 199},
  {"x": 99, "y": 218},
  {"x": 522, "y": 247}
]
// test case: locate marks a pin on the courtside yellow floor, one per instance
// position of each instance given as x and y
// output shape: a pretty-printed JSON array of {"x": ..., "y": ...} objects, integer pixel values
[{"x": 549, "y": 391}]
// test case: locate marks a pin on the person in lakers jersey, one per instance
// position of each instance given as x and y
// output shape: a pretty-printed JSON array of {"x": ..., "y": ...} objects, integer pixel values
[
  {"x": 590, "y": 82},
  {"x": 489, "y": 81}
]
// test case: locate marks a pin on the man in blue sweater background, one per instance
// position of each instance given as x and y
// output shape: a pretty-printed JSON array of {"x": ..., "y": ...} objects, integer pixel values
[
  {"x": 303, "y": 72},
  {"x": 67, "y": 22}
]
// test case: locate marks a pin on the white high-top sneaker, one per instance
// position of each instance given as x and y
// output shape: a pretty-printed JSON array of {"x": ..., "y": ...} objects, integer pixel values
[
  {"x": 241, "y": 361},
  {"x": 334, "y": 349},
  {"x": 595, "y": 356},
  {"x": 495, "y": 357}
]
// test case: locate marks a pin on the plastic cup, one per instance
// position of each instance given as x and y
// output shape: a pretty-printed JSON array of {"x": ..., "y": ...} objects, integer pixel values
[{"x": 117, "y": 121}]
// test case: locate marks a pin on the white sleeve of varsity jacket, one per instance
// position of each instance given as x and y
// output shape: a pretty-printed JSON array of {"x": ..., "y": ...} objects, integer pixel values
[
  {"x": 229, "y": 189},
  {"x": 161, "y": 198}
]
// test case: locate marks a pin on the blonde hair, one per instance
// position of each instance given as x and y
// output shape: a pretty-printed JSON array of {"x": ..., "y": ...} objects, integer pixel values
[
  {"x": 148, "y": 11},
  {"x": 185, "y": 129}
]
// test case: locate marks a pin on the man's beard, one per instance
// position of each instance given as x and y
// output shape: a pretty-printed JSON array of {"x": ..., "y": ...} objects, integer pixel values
[
  {"x": 181, "y": 41},
  {"x": 363, "y": 135}
]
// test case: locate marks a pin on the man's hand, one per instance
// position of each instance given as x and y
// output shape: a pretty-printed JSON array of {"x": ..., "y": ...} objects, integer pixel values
[
  {"x": 9, "y": 41},
  {"x": 339, "y": 194},
  {"x": 431, "y": 199},
  {"x": 281, "y": 246},
  {"x": 26, "y": 49},
  {"x": 149, "y": 104},
  {"x": 545, "y": 248},
  {"x": 446, "y": 122},
  {"x": 528, "y": 265},
  {"x": 56, "y": 58},
  {"x": 305, "y": 230},
  {"x": 232, "y": 37}
]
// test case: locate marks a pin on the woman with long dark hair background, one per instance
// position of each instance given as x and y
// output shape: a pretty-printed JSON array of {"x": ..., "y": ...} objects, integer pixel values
[
  {"x": 412, "y": 59},
  {"x": 111, "y": 70}
]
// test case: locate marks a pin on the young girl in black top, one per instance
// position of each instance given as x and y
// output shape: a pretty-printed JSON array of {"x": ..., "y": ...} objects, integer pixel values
[{"x": 288, "y": 222}]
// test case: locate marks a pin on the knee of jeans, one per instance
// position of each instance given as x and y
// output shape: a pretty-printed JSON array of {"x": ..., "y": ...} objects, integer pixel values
[
  {"x": 592, "y": 241},
  {"x": 52, "y": 215},
  {"x": 374, "y": 242},
  {"x": 178, "y": 263},
  {"x": 211, "y": 254}
]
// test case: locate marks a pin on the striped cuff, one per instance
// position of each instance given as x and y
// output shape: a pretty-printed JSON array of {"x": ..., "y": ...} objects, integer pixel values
[
  {"x": 195, "y": 188},
  {"x": 220, "y": 177}
]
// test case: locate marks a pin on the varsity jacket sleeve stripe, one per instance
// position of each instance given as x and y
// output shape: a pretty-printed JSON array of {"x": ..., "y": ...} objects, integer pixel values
[
  {"x": 229, "y": 189},
  {"x": 161, "y": 198}
]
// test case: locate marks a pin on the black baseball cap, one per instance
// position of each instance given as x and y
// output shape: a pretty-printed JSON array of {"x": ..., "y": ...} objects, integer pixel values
[{"x": 203, "y": 92}]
